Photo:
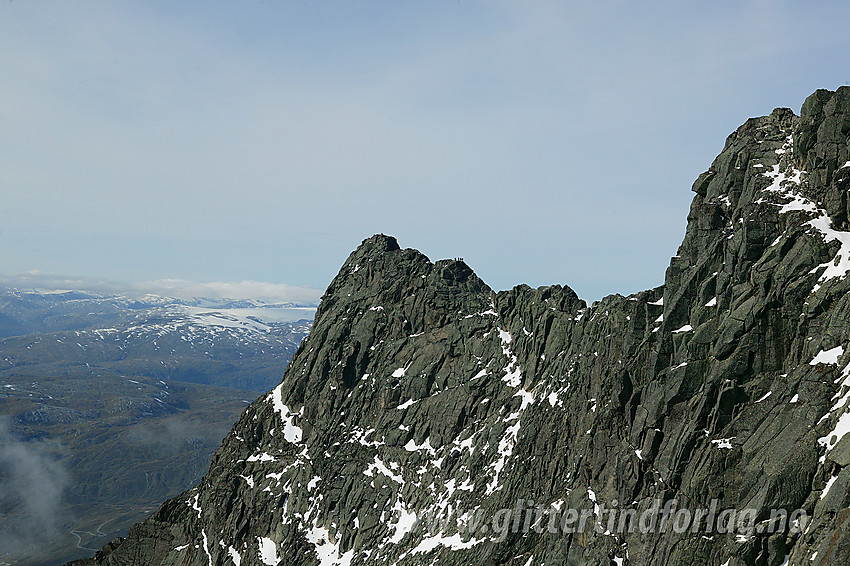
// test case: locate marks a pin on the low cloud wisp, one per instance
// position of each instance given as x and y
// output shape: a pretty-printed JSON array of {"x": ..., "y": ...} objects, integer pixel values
[{"x": 32, "y": 485}]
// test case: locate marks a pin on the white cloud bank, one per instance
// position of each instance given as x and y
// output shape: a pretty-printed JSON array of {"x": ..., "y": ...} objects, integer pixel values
[{"x": 177, "y": 288}]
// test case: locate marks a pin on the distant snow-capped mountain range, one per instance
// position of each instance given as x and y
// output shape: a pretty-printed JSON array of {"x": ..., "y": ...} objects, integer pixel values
[
  {"x": 125, "y": 395},
  {"x": 166, "y": 337}
]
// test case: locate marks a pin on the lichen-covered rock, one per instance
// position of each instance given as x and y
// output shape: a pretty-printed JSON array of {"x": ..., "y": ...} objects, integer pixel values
[{"x": 421, "y": 392}]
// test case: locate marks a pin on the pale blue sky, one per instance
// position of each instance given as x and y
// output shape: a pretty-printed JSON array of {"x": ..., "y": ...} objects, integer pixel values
[{"x": 545, "y": 142}]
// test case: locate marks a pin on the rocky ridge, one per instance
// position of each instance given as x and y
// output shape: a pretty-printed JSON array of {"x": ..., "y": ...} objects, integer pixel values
[{"x": 420, "y": 392}]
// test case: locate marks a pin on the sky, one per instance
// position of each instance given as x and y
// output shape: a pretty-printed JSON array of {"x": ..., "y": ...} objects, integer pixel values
[{"x": 258, "y": 143}]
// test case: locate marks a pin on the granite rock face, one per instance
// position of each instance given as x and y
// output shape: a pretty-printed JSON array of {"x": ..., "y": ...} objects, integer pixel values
[{"x": 430, "y": 420}]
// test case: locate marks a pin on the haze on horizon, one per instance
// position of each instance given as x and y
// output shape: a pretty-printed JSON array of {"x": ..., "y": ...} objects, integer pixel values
[{"x": 545, "y": 142}]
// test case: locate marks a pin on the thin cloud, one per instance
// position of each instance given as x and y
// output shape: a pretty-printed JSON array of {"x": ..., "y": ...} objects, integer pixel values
[{"x": 271, "y": 292}]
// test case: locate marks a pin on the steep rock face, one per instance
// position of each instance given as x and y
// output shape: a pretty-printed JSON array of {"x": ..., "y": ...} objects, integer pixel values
[{"x": 420, "y": 391}]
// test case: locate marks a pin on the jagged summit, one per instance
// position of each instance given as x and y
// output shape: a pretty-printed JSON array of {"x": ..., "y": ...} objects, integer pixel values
[
  {"x": 379, "y": 243},
  {"x": 380, "y": 248},
  {"x": 381, "y": 274},
  {"x": 421, "y": 393}
]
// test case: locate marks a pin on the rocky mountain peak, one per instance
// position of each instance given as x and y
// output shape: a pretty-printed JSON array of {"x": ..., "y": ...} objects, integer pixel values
[
  {"x": 377, "y": 244},
  {"x": 421, "y": 393}
]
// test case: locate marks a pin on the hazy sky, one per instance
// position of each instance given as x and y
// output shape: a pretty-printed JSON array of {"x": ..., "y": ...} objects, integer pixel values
[{"x": 544, "y": 142}]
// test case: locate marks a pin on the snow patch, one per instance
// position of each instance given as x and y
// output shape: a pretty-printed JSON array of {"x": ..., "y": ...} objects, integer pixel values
[
  {"x": 379, "y": 467},
  {"x": 490, "y": 312},
  {"x": 411, "y": 446},
  {"x": 841, "y": 398},
  {"x": 326, "y": 551},
  {"x": 405, "y": 522},
  {"x": 207, "y": 548},
  {"x": 264, "y": 457},
  {"x": 784, "y": 184},
  {"x": 841, "y": 428},
  {"x": 527, "y": 399},
  {"x": 513, "y": 373},
  {"x": 399, "y": 372},
  {"x": 453, "y": 542},
  {"x": 268, "y": 551},
  {"x": 292, "y": 433},
  {"x": 505, "y": 336},
  {"x": 193, "y": 503},
  {"x": 828, "y": 486},
  {"x": 828, "y": 356},
  {"x": 723, "y": 443},
  {"x": 505, "y": 450}
]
